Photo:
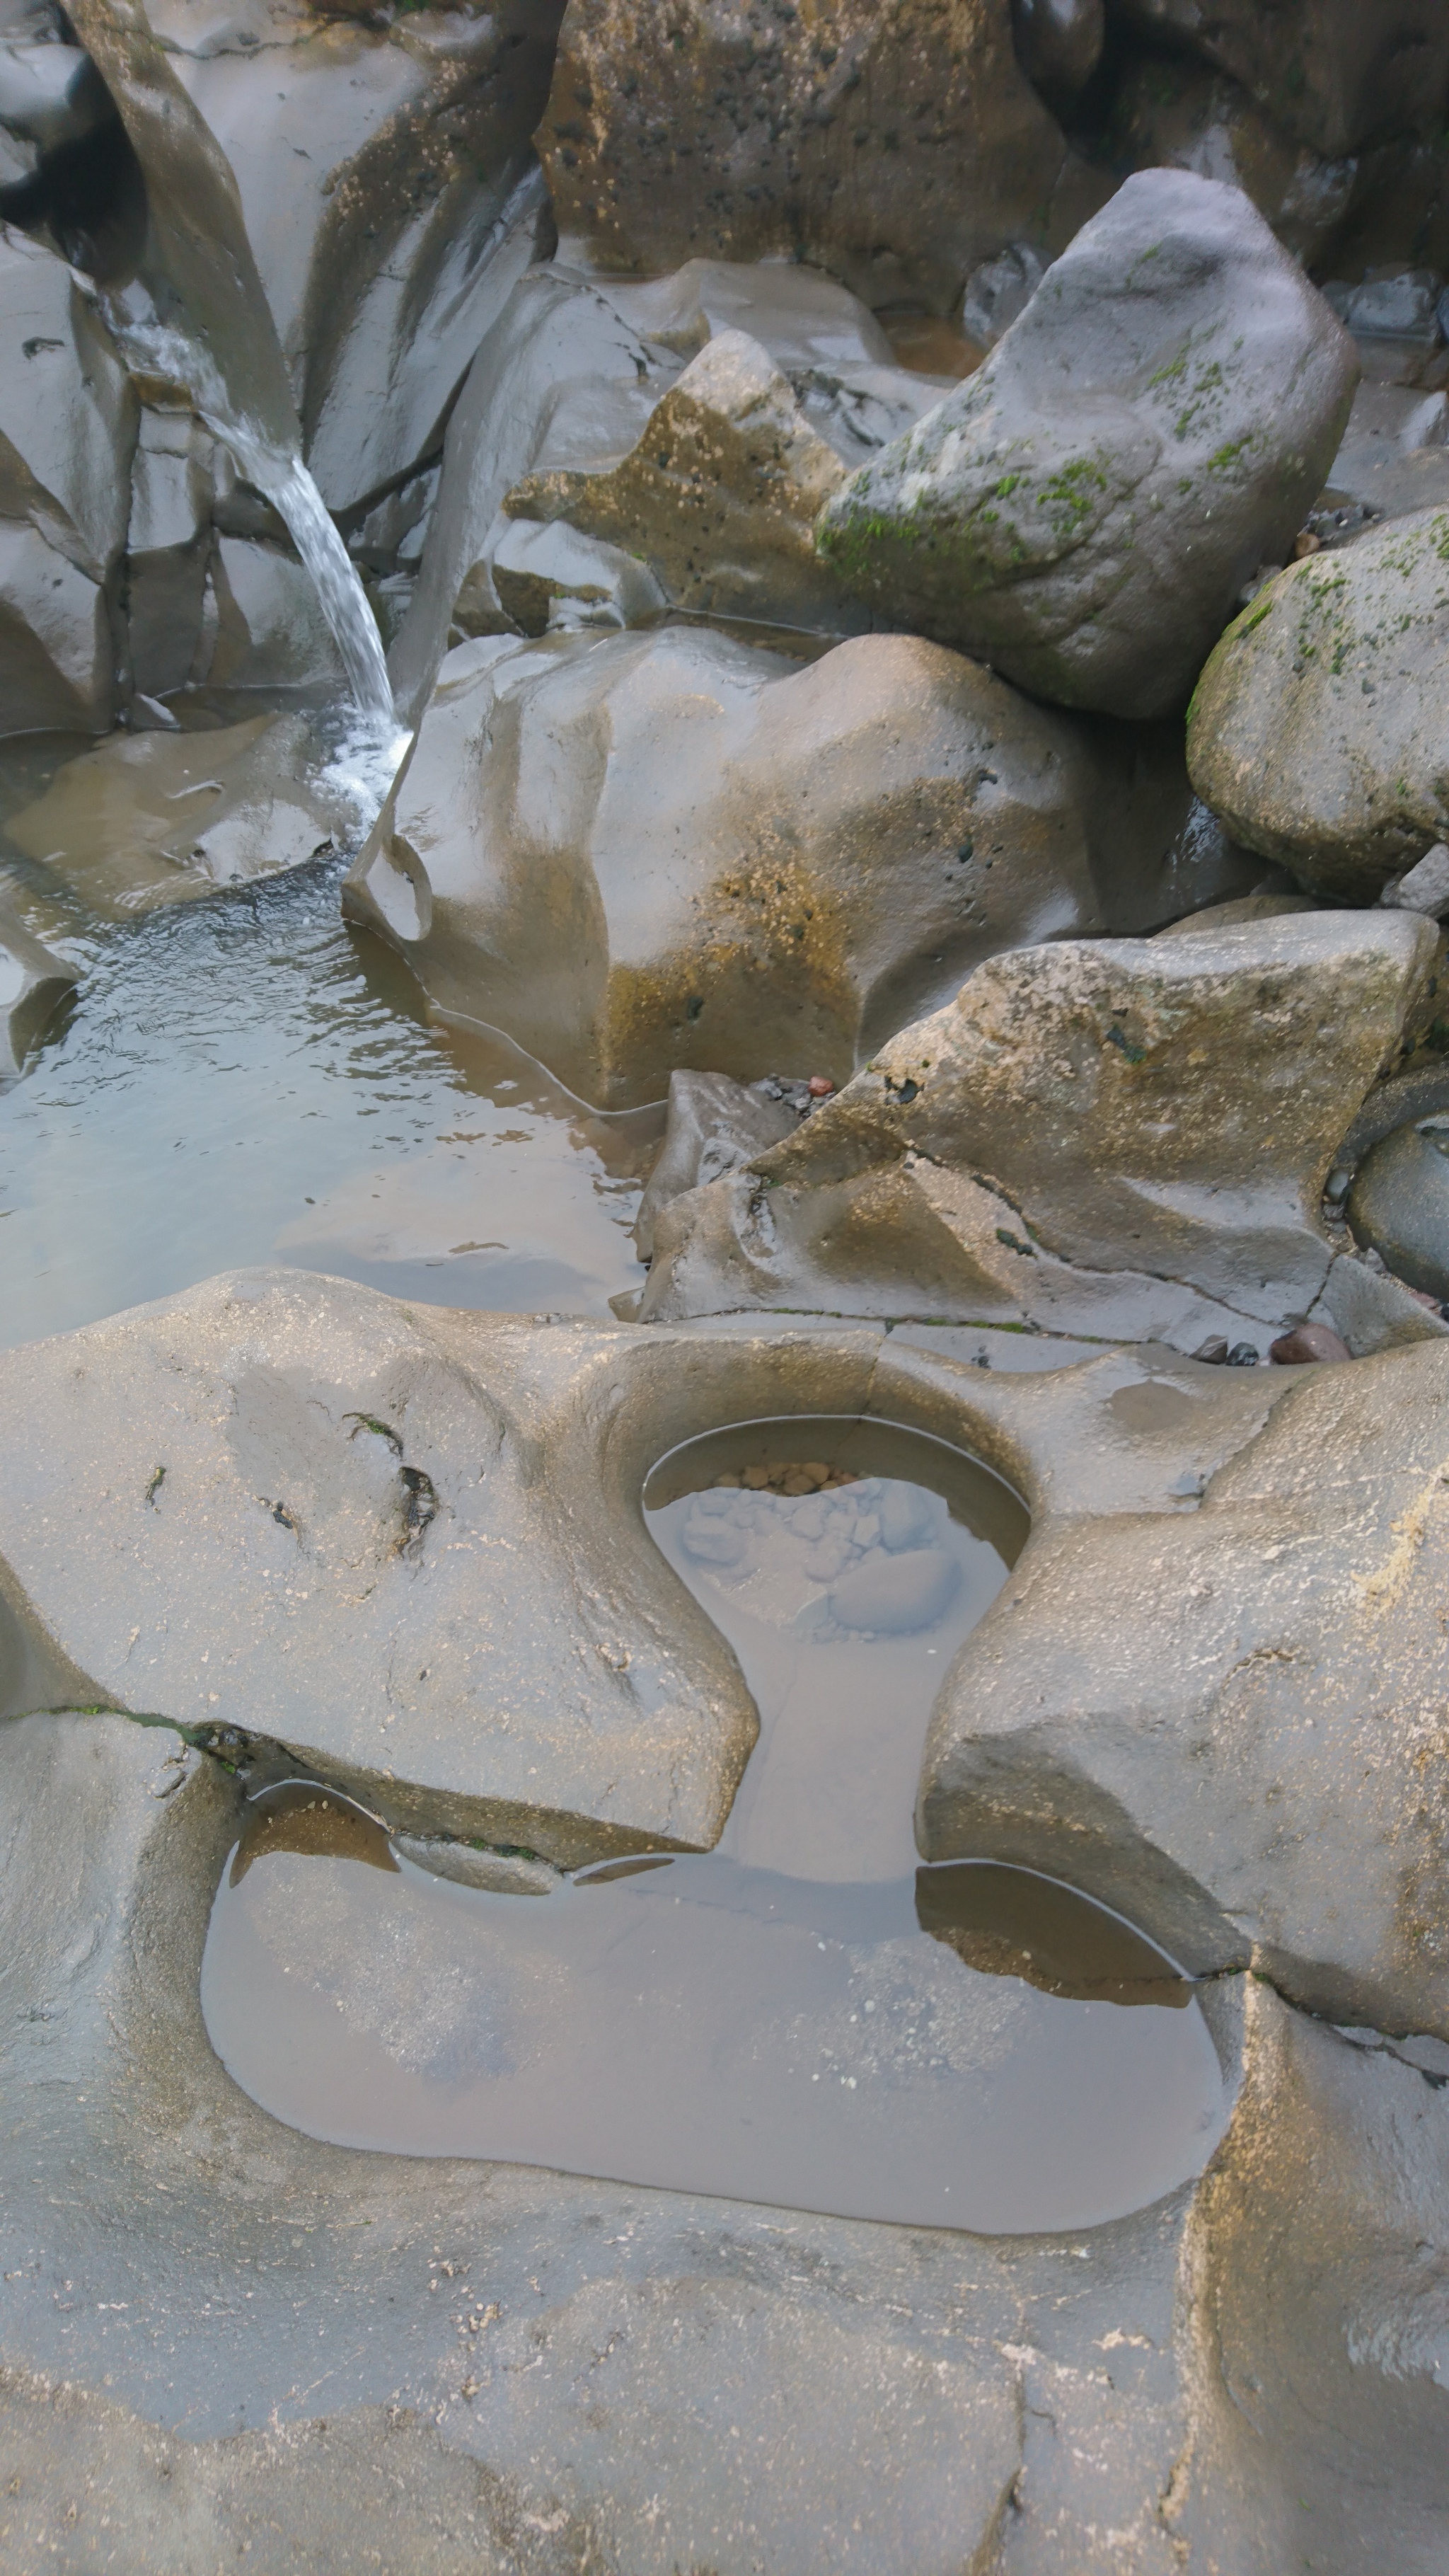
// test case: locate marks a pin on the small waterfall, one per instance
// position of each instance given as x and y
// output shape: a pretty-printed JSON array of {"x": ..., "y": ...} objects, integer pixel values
[{"x": 287, "y": 483}]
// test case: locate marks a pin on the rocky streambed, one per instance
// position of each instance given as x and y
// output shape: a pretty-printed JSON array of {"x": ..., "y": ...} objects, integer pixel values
[{"x": 725, "y": 1255}]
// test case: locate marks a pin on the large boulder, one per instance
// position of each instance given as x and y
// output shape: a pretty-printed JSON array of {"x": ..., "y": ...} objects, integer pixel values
[
  {"x": 1316, "y": 730},
  {"x": 670, "y": 849},
  {"x": 1336, "y": 73},
  {"x": 1107, "y": 1137},
  {"x": 67, "y": 434},
  {"x": 897, "y": 148},
  {"x": 1268, "y": 1724},
  {"x": 1084, "y": 510}
]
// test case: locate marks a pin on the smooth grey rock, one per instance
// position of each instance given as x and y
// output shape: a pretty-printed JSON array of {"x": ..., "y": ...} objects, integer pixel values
[
  {"x": 666, "y": 850},
  {"x": 1424, "y": 887},
  {"x": 168, "y": 552},
  {"x": 51, "y": 94},
  {"x": 999, "y": 291},
  {"x": 1093, "y": 1136},
  {"x": 67, "y": 432},
  {"x": 389, "y": 199},
  {"x": 715, "y": 1124},
  {"x": 152, "y": 818},
  {"x": 1399, "y": 1203},
  {"x": 1173, "y": 111},
  {"x": 33, "y": 984},
  {"x": 560, "y": 380},
  {"x": 719, "y": 497},
  {"x": 1314, "y": 729},
  {"x": 1335, "y": 73},
  {"x": 1390, "y": 308},
  {"x": 271, "y": 631},
  {"x": 795, "y": 144},
  {"x": 1084, "y": 510}
]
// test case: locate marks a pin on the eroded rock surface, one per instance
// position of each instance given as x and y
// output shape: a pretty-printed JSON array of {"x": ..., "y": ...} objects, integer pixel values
[
  {"x": 67, "y": 432},
  {"x": 670, "y": 850},
  {"x": 1314, "y": 729},
  {"x": 1085, "y": 509},
  {"x": 896, "y": 149},
  {"x": 1112, "y": 1137}
]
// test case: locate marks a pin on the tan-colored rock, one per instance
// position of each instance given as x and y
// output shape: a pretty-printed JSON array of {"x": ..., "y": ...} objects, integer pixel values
[
  {"x": 1315, "y": 731},
  {"x": 896, "y": 148},
  {"x": 154, "y": 818},
  {"x": 668, "y": 850},
  {"x": 719, "y": 497},
  {"x": 1266, "y": 1721},
  {"x": 1091, "y": 1136}
]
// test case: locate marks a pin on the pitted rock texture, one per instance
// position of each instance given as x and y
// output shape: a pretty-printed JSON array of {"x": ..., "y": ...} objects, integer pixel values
[
  {"x": 719, "y": 497},
  {"x": 669, "y": 850},
  {"x": 67, "y": 434},
  {"x": 1091, "y": 1136},
  {"x": 1084, "y": 510},
  {"x": 1335, "y": 73},
  {"x": 893, "y": 147},
  {"x": 1314, "y": 730}
]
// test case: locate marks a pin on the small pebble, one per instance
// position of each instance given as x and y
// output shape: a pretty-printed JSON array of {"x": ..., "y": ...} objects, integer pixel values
[
  {"x": 1214, "y": 1351},
  {"x": 818, "y": 1087},
  {"x": 1242, "y": 1355},
  {"x": 1308, "y": 1342}
]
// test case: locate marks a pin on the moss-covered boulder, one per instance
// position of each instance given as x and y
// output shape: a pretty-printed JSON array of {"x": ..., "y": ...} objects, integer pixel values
[
  {"x": 1317, "y": 731},
  {"x": 1083, "y": 512}
]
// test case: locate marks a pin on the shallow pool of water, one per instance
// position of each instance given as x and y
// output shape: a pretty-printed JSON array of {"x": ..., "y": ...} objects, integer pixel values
[
  {"x": 804, "y": 2016},
  {"x": 245, "y": 1079}
]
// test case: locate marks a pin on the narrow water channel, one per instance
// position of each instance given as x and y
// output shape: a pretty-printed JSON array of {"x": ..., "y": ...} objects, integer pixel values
[{"x": 804, "y": 2016}]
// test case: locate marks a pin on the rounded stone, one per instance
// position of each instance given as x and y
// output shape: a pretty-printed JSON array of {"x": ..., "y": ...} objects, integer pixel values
[{"x": 1399, "y": 1204}]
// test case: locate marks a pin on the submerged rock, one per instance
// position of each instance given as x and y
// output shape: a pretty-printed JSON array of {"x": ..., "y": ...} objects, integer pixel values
[
  {"x": 895, "y": 150},
  {"x": 667, "y": 850},
  {"x": 67, "y": 434},
  {"x": 33, "y": 984},
  {"x": 719, "y": 497},
  {"x": 153, "y": 818},
  {"x": 1315, "y": 731},
  {"x": 1084, "y": 510},
  {"x": 1108, "y": 1136}
]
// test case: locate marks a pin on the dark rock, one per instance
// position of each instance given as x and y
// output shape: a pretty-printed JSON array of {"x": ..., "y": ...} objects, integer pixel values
[
  {"x": 1308, "y": 1342},
  {"x": 1059, "y": 42},
  {"x": 1399, "y": 1204},
  {"x": 1335, "y": 73},
  {"x": 1085, "y": 509}
]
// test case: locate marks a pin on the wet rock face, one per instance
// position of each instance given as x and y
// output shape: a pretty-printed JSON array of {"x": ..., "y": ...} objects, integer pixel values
[
  {"x": 1399, "y": 1203},
  {"x": 669, "y": 850},
  {"x": 1336, "y": 74},
  {"x": 1174, "y": 111},
  {"x": 1314, "y": 728},
  {"x": 1133, "y": 1131},
  {"x": 1084, "y": 510},
  {"x": 67, "y": 433},
  {"x": 33, "y": 984},
  {"x": 894, "y": 148},
  {"x": 719, "y": 497}
]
